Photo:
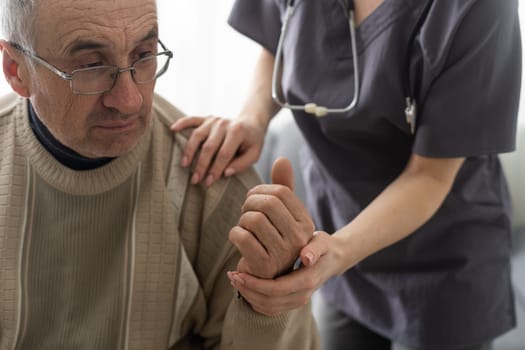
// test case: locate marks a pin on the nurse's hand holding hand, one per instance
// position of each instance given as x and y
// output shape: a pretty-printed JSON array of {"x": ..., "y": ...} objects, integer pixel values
[
  {"x": 273, "y": 231},
  {"x": 403, "y": 206},
  {"x": 294, "y": 289},
  {"x": 227, "y": 146}
]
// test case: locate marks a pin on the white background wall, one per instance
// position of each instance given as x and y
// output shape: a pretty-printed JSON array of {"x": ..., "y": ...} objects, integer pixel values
[{"x": 212, "y": 65}]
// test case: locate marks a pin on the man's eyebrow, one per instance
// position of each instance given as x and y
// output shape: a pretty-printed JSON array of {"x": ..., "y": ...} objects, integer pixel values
[
  {"x": 85, "y": 45},
  {"x": 152, "y": 34},
  {"x": 95, "y": 45}
]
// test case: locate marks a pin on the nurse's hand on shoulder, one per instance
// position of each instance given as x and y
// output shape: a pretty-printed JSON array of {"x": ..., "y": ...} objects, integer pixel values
[
  {"x": 227, "y": 146},
  {"x": 293, "y": 290},
  {"x": 274, "y": 226}
]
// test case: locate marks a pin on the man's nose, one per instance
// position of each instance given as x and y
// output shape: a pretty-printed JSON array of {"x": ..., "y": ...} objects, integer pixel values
[{"x": 125, "y": 96}]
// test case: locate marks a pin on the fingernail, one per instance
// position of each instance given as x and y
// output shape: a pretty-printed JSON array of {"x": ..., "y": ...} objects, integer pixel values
[
  {"x": 229, "y": 172},
  {"x": 209, "y": 180},
  {"x": 184, "y": 162},
  {"x": 195, "y": 178}
]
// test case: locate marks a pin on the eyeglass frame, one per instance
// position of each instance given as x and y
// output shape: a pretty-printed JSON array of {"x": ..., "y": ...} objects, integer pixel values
[{"x": 69, "y": 76}]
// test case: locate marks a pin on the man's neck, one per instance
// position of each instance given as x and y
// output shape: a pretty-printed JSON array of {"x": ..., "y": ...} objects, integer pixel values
[{"x": 63, "y": 154}]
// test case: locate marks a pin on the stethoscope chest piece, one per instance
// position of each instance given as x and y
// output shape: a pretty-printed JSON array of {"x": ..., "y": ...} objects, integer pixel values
[{"x": 411, "y": 114}]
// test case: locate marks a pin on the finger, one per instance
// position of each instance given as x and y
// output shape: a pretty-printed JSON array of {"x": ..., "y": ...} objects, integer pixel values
[
  {"x": 229, "y": 149},
  {"x": 258, "y": 224},
  {"x": 243, "y": 161},
  {"x": 296, "y": 230},
  {"x": 270, "y": 296},
  {"x": 274, "y": 306},
  {"x": 272, "y": 208},
  {"x": 293, "y": 204},
  {"x": 304, "y": 279},
  {"x": 208, "y": 150},
  {"x": 247, "y": 244},
  {"x": 195, "y": 140},
  {"x": 187, "y": 122},
  {"x": 317, "y": 247},
  {"x": 282, "y": 173}
]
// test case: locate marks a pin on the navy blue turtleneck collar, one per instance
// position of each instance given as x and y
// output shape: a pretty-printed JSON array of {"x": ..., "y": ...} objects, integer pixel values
[{"x": 63, "y": 154}]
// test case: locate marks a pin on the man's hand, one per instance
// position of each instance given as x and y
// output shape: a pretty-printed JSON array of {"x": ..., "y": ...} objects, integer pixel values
[{"x": 273, "y": 227}]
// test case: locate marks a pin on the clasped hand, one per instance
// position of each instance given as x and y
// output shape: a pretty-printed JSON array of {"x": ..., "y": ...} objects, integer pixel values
[{"x": 274, "y": 226}]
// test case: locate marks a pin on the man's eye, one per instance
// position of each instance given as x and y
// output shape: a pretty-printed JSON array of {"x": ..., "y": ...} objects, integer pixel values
[
  {"x": 89, "y": 65},
  {"x": 145, "y": 54}
]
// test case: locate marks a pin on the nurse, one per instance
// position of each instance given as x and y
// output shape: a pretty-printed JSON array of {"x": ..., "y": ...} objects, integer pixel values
[{"x": 412, "y": 209}]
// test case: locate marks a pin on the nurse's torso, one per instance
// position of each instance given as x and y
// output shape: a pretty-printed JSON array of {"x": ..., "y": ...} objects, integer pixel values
[{"x": 442, "y": 276}]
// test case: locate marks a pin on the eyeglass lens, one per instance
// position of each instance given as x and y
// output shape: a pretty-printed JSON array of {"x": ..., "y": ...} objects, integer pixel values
[{"x": 101, "y": 79}]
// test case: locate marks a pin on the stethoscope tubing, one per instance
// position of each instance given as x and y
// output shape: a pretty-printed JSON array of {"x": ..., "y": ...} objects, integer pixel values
[{"x": 312, "y": 107}]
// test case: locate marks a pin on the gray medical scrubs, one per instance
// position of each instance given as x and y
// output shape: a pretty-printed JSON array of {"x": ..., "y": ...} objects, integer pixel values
[{"x": 448, "y": 284}]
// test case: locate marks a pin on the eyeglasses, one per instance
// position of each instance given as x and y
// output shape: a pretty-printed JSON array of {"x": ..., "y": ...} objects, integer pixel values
[{"x": 101, "y": 79}]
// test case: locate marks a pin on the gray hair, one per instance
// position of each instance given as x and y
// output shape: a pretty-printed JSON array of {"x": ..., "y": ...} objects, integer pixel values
[{"x": 18, "y": 21}]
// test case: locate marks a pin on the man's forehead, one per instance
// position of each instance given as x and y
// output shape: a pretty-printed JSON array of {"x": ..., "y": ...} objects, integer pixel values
[{"x": 71, "y": 21}]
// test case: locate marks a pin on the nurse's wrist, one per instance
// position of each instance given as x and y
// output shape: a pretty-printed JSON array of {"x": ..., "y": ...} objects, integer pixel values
[
  {"x": 258, "y": 120},
  {"x": 346, "y": 252}
]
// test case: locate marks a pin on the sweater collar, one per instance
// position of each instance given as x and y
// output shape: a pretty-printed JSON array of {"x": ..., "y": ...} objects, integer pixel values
[
  {"x": 65, "y": 155},
  {"x": 66, "y": 179}
]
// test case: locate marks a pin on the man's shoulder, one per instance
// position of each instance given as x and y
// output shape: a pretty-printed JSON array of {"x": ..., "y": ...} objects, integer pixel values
[
  {"x": 166, "y": 113},
  {"x": 8, "y": 103}
]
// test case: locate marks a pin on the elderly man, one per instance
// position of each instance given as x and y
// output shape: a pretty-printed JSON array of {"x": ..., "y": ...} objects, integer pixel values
[{"x": 104, "y": 243}]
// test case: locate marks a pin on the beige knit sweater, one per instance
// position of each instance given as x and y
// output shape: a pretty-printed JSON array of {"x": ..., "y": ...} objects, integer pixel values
[{"x": 125, "y": 256}]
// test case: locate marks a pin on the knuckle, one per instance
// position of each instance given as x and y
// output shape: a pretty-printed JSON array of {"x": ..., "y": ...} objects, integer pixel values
[
  {"x": 222, "y": 122},
  {"x": 199, "y": 133},
  {"x": 208, "y": 147},
  {"x": 234, "y": 233},
  {"x": 269, "y": 202},
  {"x": 224, "y": 154},
  {"x": 242, "y": 237},
  {"x": 281, "y": 190},
  {"x": 252, "y": 217},
  {"x": 237, "y": 127}
]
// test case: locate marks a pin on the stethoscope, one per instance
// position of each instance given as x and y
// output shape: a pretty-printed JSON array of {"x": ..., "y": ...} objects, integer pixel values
[{"x": 321, "y": 111}]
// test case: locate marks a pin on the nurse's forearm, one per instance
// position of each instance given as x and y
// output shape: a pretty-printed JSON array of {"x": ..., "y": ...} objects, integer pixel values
[
  {"x": 259, "y": 107},
  {"x": 406, "y": 204}
]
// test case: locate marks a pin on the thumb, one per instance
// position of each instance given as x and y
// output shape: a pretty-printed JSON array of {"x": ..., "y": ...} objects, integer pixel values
[
  {"x": 282, "y": 172},
  {"x": 317, "y": 247}
]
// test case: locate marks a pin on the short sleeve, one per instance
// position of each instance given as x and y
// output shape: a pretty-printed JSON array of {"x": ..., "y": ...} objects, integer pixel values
[
  {"x": 260, "y": 20},
  {"x": 470, "y": 104}
]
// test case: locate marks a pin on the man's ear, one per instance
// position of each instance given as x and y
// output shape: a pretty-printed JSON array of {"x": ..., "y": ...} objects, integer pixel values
[{"x": 13, "y": 69}]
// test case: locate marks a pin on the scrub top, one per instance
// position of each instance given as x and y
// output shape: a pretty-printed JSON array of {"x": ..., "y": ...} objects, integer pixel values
[{"x": 448, "y": 284}]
